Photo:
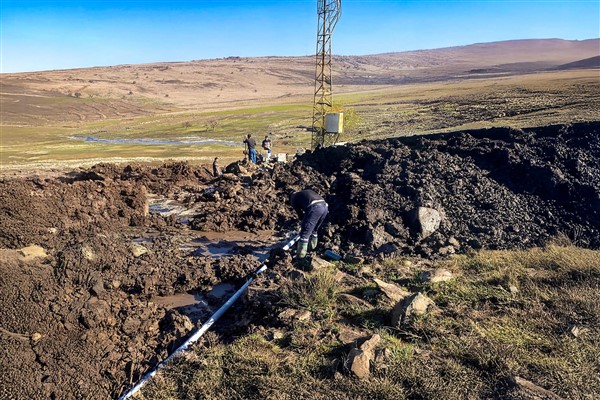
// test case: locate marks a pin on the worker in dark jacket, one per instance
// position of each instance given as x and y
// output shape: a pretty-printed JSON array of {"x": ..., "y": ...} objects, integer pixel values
[
  {"x": 250, "y": 144},
  {"x": 312, "y": 209}
]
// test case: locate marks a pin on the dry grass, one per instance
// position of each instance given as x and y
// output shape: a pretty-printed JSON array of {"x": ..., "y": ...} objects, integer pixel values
[{"x": 481, "y": 337}]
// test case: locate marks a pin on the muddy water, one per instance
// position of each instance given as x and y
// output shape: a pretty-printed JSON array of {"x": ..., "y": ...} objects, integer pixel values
[
  {"x": 199, "y": 306},
  {"x": 193, "y": 305},
  {"x": 156, "y": 142}
]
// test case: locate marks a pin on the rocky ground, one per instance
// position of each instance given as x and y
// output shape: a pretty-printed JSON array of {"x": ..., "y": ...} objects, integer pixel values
[{"x": 79, "y": 318}]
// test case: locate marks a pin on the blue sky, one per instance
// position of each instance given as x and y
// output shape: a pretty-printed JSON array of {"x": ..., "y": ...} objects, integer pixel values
[{"x": 53, "y": 34}]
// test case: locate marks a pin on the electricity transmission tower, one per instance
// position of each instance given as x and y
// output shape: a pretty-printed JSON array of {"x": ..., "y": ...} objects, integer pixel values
[{"x": 329, "y": 12}]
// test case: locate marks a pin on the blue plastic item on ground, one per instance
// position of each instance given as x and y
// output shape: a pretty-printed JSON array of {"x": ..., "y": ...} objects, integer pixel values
[{"x": 332, "y": 255}]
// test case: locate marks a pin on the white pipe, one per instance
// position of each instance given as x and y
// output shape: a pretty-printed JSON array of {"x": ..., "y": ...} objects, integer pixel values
[{"x": 206, "y": 326}]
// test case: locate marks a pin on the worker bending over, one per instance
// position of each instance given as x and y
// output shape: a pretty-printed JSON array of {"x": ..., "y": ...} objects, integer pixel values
[{"x": 312, "y": 209}]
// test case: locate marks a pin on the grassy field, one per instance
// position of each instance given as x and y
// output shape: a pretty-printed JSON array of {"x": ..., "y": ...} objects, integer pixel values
[
  {"x": 42, "y": 139},
  {"x": 505, "y": 316}
]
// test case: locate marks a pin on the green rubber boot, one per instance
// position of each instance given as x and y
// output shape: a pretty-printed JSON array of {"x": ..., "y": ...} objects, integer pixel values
[
  {"x": 301, "y": 249},
  {"x": 312, "y": 244}
]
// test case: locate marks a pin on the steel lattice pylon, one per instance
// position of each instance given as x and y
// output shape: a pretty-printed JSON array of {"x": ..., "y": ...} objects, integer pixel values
[{"x": 329, "y": 12}]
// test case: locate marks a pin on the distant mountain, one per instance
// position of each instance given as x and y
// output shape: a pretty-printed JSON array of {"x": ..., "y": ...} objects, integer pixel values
[
  {"x": 592, "y": 62},
  {"x": 235, "y": 81},
  {"x": 496, "y": 58}
]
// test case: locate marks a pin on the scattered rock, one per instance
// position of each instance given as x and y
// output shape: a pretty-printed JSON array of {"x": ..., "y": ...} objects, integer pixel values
[
  {"x": 32, "y": 252},
  {"x": 318, "y": 263},
  {"x": 436, "y": 275},
  {"x": 88, "y": 252},
  {"x": 291, "y": 315},
  {"x": 131, "y": 325},
  {"x": 277, "y": 334},
  {"x": 354, "y": 301},
  {"x": 353, "y": 259},
  {"x": 370, "y": 344},
  {"x": 534, "y": 391},
  {"x": 137, "y": 249},
  {"x": 348, "y": 335},
  {"x": 340, "y": 276},
  {"x": 414, "y": 305},
  {"x": 359, "y": 360},
  {"x": 98, "y": 287},
  {"x": 452, "y": 241},
  {"x": 513, "y": 289},
  {"x": 426, "y": 220},
  {"x": 446, "y": 250},
  {"x": 36, "y": 336},
  {"x": 391, "y": 291},
  {"x": 365, "y": 272},
  {"x": 577, "y": 331}
]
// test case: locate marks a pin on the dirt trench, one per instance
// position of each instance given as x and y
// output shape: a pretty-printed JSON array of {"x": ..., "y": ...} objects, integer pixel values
[{"x": 79, "y": 320}]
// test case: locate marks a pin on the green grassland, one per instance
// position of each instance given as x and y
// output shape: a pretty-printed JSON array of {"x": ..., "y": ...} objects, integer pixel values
[{"x": 42, "y": 138}]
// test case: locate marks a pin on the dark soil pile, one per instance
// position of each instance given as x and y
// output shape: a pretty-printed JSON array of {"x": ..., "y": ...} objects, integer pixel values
[{"x": 496, "y": 188}]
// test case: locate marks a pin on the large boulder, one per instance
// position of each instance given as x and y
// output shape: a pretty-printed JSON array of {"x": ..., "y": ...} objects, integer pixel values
[{"x": 425, "y": 220}]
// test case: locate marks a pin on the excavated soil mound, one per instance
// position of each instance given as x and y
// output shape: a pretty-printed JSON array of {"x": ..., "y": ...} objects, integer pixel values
[
  {"x": 496, "y": 188},
  {"x": 78, "y": 317}
]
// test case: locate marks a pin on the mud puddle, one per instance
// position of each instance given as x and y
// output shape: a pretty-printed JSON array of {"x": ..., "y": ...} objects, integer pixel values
[
  {"x": 166, "y": 207},
  {"x": 193, "y": 305},
  {"x": 221, "y": 244}
]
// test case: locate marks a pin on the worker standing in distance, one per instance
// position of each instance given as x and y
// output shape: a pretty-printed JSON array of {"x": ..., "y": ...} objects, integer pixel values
[
  {"x": 266, "y": 145},
  {"x": 313, "y": 210},
  {"x": 217, "y": 173},
  {"x": 250, "y": 143}
]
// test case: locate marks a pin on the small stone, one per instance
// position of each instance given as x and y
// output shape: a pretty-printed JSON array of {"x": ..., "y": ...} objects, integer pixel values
[
  {"x": 352, "y": 259},
  {"x": 277, "y": 335},
  {"x": 88, "y": 253},
  {"x": 369, "y": 345},
  {"x": 407, "y": 263},
  {"x": 391, "y": 291},
  {"x": 353, "y": 301},
  {"x": 131, "y": 325},
  {"x": 513, "y": 289},
  {"x": 349, "y": 335},
  {"x": 303, "y": 315},
  {"x": 436, "y": 275},
  {"x": 36, "y": 336},
  {"x": 340, "y": 276},
  {"x": 358, "y": 364},
  {"x": 454, "y": 242},
  {"x": 365, "y": 271},
  {"x": 291, "y": 315},
  {"x": 577, "y": 331},
  {"x": 137, "y": 249},
  {"x": 32, "y": 252},
  {"x": 447, "y": 250},
  {"x": 416, "y": 304},
  {"x": 319, "y": 264},
  {"x": 98, "y": 287},
  {"x": 115, "y": 284}
]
